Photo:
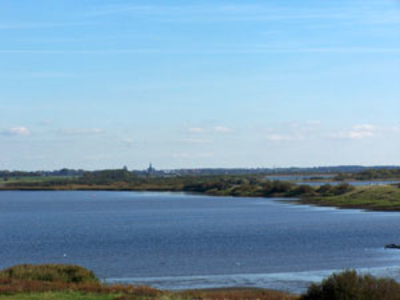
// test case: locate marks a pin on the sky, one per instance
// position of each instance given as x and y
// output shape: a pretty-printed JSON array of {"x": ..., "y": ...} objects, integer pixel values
[{"x": 98, "y": 84}]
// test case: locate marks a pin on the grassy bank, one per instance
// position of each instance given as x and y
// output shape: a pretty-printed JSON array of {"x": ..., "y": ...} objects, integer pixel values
[
  {"x": 377, "y": 198},
  {"x": 57, "y": 296},
  {"x": 64, "y": 282},
  {"x": 59, "y": 282}
]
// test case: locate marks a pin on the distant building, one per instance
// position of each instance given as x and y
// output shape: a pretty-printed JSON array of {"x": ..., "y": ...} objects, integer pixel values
[{"x": 150, "y": 169}]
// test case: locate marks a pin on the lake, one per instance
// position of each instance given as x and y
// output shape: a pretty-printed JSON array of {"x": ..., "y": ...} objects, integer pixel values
[{"x": 179, "y": 241}]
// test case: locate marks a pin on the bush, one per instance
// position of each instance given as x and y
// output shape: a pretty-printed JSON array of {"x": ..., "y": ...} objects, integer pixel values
[
  {"x": 276, "y": 187},
  {"x": 49, "y": 273},
  {"x": 349, "y": 285},
  {"x": 325, "y": 190},
  {"x": 342, "y": 189},
  {"x": 302, "y": 190}
]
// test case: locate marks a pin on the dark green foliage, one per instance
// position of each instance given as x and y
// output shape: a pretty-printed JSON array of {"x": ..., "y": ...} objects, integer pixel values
[
  {"x": 325, "y": 190},
  {"x": 349, "y": 285},
  {"x": 330, "y": 190},
  {"x": 107, "y": 177},
  {"x": 342, "y": 189},
  {"x": 50, "y": 273},
  {"x": 275, "y": 187},
  {"x": 372, "y": 174},
  {"x": 304, "y": 190}
]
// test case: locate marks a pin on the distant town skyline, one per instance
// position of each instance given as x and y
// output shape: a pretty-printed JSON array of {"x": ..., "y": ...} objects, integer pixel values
[{"x": 189, "y": 84}]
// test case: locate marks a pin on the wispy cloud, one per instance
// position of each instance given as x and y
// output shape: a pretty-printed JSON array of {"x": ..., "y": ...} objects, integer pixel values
[
  {"x": 163, "y": 10},
  {"x": 192, "y": 155},
  {"x": 46, "y": 122},
  {"x": 357, "y": 132},
  {"x": 127, "y": 142},
  {"x": 284, "y": 137},
  {"x": 49, "y": 75},
  {"x": 196, "y": 141},
  {"x": 222, "y": 129},
  {"x": 247, "y": 12},
  {"x": 16, "y": 131},
  {"x": 249, "y": 49},
  {"x": 80, "y": 131},
  {"x": 196, "y": 129},
  {"x": 16, "y": 26},
  {"x": 294, "y": 131}
]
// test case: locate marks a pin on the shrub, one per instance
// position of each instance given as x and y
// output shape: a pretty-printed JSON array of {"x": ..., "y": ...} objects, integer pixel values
[
  {"x": 49, "y": 273},
  {"x": 276, "y": 187},
  {"x": 349, "y": 285},
  {"x": 325, "y": 189},
  {"x": 342, "y": 189},
  {"x": 303, "y": 190}
]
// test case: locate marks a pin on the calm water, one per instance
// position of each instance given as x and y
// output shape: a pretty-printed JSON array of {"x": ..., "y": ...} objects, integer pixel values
[{"x": 177, "y": 241}]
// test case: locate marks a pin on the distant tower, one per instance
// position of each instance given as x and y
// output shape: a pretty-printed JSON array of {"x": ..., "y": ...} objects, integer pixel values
[{"x": 150, "y": 169}]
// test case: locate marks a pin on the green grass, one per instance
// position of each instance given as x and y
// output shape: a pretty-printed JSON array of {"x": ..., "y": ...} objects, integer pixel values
[
  {"x": 58, "y": 296},
  {"x": 378, "y": 198}
]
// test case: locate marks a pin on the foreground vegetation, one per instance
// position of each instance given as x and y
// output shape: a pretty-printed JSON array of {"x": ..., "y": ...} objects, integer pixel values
[
  {"x": 377, "y": 198},
  {"x": 51, "y": 282},
  {"x": 65, "y": 282},
  {"x": 351, "y": 286}
]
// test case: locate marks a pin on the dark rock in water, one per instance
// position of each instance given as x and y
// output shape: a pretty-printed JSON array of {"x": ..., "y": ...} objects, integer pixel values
[{"x": 392, "y": 246}]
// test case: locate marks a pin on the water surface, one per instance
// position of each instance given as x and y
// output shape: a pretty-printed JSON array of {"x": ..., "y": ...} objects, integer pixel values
[{"x": 178, "y": 241}]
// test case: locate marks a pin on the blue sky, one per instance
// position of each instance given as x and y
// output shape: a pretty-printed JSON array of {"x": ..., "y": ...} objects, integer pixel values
[{"x": 101, "y": 84}]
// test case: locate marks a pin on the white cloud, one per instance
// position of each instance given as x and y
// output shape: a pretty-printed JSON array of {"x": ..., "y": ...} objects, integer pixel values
[
  {"x": 81, "y": 131},
  {"x": 222, "y": 129},
  {"x": 357, "y": 132},
  {"x": 127, "y": 142},
  {"x": 360, "y": 134},
  {"x": 196, "y": 141},
  {"x": 16, "y": 131},
  {"x": 196, "y": 129},
  {"x": 313, "y": 123},
  {"x": 395, "y": 129},
  {"x": 283, "y": 137},
  {"x": 364, "y": 127},
  {"x": 46, "y": 122},
  {"x": 192, "y": 155}
]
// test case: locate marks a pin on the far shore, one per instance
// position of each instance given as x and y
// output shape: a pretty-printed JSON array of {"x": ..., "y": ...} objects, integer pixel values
[{"x": 370, "y": 198}]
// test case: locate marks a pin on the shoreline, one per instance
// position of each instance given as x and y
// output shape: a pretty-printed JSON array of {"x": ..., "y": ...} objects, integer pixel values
[{"x": 384, "y": 198}]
